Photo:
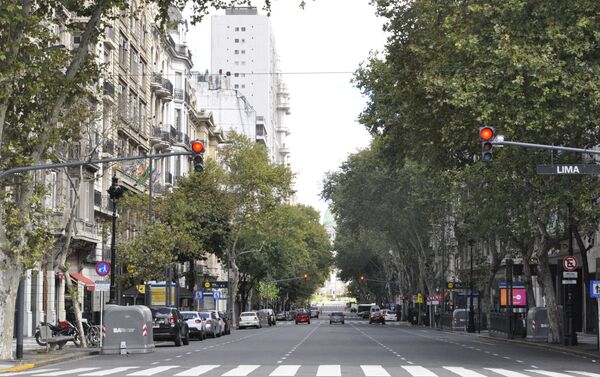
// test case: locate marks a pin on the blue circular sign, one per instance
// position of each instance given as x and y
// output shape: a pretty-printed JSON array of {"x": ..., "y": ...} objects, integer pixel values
[{"x": 103, "y": 268}]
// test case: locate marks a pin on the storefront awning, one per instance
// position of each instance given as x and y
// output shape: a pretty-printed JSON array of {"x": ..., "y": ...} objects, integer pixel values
[{"x": 90, "y": 284}]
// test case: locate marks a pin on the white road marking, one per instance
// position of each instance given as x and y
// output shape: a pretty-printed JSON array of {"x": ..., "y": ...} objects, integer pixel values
[
  {"x": 418, "y": 371},
  {"x": 588, "y": 374},
  {"x": 68, "y": 371},
  {"x": 106, "y": 372},
  {"x": 548, "y": 373},
  {"x": 507, "y": 373},
  {"x": 153, "y": 371},
  {"x": 285, "y": 370},
  {"x": 197, "y": 371},
  {"x": 464, "y": 372},
  {"x": 329, "y": 371},
  {"x": 241, "y": 370},
  {"x": 374, "y": 371}
]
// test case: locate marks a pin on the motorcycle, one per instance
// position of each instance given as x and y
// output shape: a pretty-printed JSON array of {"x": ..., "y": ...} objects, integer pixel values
[{"x": 64, "y": 328}]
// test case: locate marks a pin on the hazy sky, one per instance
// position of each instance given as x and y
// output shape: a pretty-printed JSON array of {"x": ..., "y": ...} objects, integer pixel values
[{"x": 326, "y": 36}]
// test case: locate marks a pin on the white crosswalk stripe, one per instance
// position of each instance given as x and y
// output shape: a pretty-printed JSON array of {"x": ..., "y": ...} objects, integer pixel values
[
  {"x": 153, "y": 371},
  {"x": 508, "y": 373},
  {"x": 548, "y": 373},
  {"x": 418, "y": 371},
  {"x": 587, "y": 374},
  {"x": 329, "y": 371},
  {"x": 374, "y": 371},
  {"x": 28, "y": 372},
  {"x": 106, "y": 372},
  {"x": 464, "y": 372},
  {"x": 197, "y": 371},
  {"x": 65, "y": 372},
  {"x": 240, "y": 371},
  {"x": 285, "y": 371}
]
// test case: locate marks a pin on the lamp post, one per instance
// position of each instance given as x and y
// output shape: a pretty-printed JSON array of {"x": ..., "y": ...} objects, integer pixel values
[
  {"x": 115, "y": 191},
  {"x": 471, "y": 325}
]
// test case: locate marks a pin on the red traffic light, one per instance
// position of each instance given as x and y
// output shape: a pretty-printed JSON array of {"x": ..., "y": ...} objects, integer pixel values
[
  {"x": 486, "y": 133},
  {"x": 305, "y": 276},
  {"x": 362, "y": 279},
  {"x": 197, "y": 146}
]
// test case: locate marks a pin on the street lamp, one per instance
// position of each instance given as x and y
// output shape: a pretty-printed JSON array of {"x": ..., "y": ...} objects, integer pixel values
[
  {"x": 115, "y": 192},
  {"x": 471, "y": 326}
]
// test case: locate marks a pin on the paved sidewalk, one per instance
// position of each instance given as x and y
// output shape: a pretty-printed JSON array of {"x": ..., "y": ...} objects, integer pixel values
[{"x": 34, "y": 357}]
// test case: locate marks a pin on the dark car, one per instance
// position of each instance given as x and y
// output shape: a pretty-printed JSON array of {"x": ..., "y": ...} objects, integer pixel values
[
  {"x": 302, "y": 315},
  {"x": 168, "y": 324},
  {"x": 281, "y": 316},
  {"x": 377, "y": 317},
  {"x": 336, "y": 317},
  {"x": 291, "y": 315},
  {"x": 227, "y": 322}
]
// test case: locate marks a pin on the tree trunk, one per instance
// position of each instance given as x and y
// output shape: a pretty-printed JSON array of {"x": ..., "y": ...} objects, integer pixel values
[
  {"x": 9, "y": 284},
  {"x": 485, "y": 294},
  {"x": 545, "y": 280}
]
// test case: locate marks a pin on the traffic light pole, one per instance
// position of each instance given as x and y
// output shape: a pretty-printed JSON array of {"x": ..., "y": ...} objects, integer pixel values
[{"x": 500, "y": 142}]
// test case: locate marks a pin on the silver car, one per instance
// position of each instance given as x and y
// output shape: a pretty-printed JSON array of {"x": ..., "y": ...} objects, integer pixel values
[
  {"x": 336, "y": 317},
  {"x": 249, "y": 319},
  {"x": 211, "y": 323}
]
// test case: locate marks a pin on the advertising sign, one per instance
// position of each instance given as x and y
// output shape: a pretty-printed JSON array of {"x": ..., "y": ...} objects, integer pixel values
[
  {"x": 519, "y": 297},
  {"x": 159, "y": 295}
]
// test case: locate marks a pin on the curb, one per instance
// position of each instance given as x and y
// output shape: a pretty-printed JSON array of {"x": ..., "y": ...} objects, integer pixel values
[{"x": 51, "y": 360}]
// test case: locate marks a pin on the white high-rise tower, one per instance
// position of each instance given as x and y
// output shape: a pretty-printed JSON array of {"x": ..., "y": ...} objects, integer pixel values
[{"x": 243, "y": 48}]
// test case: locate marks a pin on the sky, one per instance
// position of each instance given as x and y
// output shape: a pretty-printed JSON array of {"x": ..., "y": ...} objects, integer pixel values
[{"x": 325, "y": 36}]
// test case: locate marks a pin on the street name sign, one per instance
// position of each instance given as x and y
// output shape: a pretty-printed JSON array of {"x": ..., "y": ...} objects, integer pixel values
[
  {"x": 220, "y": 284},
  {"x": 570, "y": 274},
  {"x": 566, "y": 169},
  {"x": 569, "y": 263},
  {"x": 595, "y": 289},
  {"x": 567, "y": 282},
  {"x": 102, "y": 286}
]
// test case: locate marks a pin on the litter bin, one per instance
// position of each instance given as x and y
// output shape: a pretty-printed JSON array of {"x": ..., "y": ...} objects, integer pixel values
[
  {"x": 128, "y": 329},
  {"x": 538, "y": 325},
  {"x": 459, "y": 320}
]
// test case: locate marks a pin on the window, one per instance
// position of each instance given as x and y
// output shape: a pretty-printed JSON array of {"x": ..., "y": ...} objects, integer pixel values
[
  {"x": 178, "y": 80},
  {"x": 142, "y": 116},
  {"x": 236, "y": 29},
  {"x": 243, "y": 29},
  {"x": 243, "y": 74},
  {"x": 143, "y": 73},
  {"x": 122, "y": 92},
  {"x": 134, "y": 60},
  {"x": 236, "y": 40},
  {"x": 178, "y": 124},
  {"x": 243, "y": 40},
  {"x": 133, "y": 105},
  {"x": 237, "y": 63},
  {"x": 243, "y": 51},
  {"x": 123, "y": 46},
  {"x": 243, "y": 62},
  {"x": 236, "y": 86},
  {"x": 52, "y": 193},
  {"x": 76, "y": 40},
  {"x": 236, "y": 52},
  {"x": 236, "y": 75},
  {"x": 243, "y": 86}
]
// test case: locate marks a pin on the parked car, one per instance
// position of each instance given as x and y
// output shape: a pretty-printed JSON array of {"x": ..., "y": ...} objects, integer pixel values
[
  {"x": 302, "y": 315},
  {"x": 389, "y": 315},
  {"x": 314, "y": 312},
  {"x": 196, "y": 324},
  {"x": 225, "y": 317},
  {"x": 216, "y": 315},
  {"x": 270, "y": 316},
  {"x": 376, "y": 316},
  {"x": 212, "y": 324},
  {"x": 336, "y": 317},
  {"x": 249, "y": 319},
  {"x": 168, "y": 324},
  {"x": 291, "y": 315},
  {"x": 281, "y": 316}
]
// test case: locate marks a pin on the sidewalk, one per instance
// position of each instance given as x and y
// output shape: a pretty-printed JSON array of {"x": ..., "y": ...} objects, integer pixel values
[
  {"x": 586, "y": 343},
  {"x": 34, "y": 356}
]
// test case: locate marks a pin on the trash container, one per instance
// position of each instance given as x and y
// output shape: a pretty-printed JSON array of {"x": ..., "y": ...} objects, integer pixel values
[
  {"x": 459, "y": 320},
  {"x": 128, "y": 329},
  {"x": 538, "y": 325}
]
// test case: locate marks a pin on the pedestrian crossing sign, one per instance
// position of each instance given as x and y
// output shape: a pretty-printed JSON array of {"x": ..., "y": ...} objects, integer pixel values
[{"x": 595, "y": 289}]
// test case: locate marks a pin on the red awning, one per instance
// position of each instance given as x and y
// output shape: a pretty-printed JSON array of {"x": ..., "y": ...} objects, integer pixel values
[{"x": 81, "y": 278}]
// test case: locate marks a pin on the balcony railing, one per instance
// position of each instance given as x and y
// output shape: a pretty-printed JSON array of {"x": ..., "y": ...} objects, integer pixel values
[
  {"x": 109, "y": 89},
  {"x": 172, "y": 133},
  {"x": 109, "y": 147},
  {"x": 178, "y": 94},
  {"x": 182, "y": 50},
  {"x": 161, "y": 85}
]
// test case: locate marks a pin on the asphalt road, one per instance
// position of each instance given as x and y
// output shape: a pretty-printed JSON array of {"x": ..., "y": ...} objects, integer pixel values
[{"x": 319, "y": 349}]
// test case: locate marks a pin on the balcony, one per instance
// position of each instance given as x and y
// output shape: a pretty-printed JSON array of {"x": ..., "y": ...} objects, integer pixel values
[
  {"x": 162, "y": 87},
  {"x": 183, "y": 139},
  {"x": 178, "y": 95},
  {"x": 283, "y": 129},
  {"x": 108, "y": 148},
  {"x": 108, "y": 92},
  {"x": 109, "y": 38},
  {"x": 183, "y": 52},
  {"x": 159, "y": 138},
  {"x": 261, "y": 134},
  {"x": 284, "y": 150},
  {"x": 172, "y": 134},
  {"x": 86, "y": 231}
]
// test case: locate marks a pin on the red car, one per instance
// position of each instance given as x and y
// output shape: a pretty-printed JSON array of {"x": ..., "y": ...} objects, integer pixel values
[{"x": 302, "y": 315}]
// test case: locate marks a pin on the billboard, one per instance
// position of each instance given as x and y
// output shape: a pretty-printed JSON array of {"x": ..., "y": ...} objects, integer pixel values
[{"x": 519, "y": 297}]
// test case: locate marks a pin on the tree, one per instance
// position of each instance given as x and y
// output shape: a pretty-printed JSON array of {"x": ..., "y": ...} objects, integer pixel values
[{"x": 40, "y": 83}]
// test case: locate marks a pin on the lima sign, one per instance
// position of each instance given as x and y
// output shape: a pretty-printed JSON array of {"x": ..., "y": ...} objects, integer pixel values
[{"x": 576, "y": 169}]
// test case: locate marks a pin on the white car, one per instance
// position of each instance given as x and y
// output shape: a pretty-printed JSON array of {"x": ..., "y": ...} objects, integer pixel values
[
  {"x": 196, "y": 324},
  {"x": 389, "y": 315},
  {"x": 249, "y": 319}
]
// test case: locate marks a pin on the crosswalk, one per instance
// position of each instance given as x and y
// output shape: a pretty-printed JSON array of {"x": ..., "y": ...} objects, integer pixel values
[{"x": 326, "y": 370}]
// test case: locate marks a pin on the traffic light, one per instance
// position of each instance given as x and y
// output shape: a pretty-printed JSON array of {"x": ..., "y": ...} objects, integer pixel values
[
  {"x": 361, "y": 279},
  {"x": 486, "y": 136},
  {"x": 198, "y": 153},
  {"x": 305, "y": 277}
]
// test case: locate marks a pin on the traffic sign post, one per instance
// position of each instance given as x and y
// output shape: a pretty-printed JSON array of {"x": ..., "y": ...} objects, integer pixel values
[
  {"x": 102, "y": 268},
  {"x": 569, "y": 263},
  {"x": 595, "y": 293}
]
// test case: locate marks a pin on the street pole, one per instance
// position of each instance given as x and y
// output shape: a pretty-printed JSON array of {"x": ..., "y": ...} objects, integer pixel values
[
  {"x": 509, "y": 309},
  {"x": 471, "y": 326},
  {"x": 570, "y": 334},
  {"x": 229, "y": 289},
  {"x": 20, "y": 317},
  {"x": 115, "y": 191}
]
